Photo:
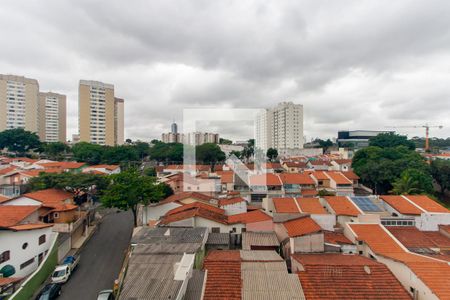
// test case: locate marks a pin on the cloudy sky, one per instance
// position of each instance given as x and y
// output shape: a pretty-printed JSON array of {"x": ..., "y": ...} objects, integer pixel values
[{"x": 352, "y": 64}]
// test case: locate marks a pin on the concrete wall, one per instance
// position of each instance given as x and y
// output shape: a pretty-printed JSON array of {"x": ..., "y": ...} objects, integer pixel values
[
  {"x": 308, "y": 243},
  {"x": 236, "y": 208},
  {"x": 157, "y": 211},
  {"x": 201, "y": 222},
  {"x": 430, "y": 221},
  {"x": 327, "y": 222}
]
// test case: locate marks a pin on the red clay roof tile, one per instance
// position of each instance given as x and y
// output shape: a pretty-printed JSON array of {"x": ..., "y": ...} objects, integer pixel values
[
  {"x": 342, "y": 206},
  {"x": 401, "y": 205},
  {"x": 301, "y": 226},
  {"x": 427, "y": 204},
  {"x": 311, "y": 206}
]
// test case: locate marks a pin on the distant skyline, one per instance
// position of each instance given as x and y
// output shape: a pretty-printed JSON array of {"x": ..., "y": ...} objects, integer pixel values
[{"x": 352, "y": 64}]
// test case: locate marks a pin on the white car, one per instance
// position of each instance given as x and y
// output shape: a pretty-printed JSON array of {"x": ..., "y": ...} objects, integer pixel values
[{"x": 61, "y": 274}]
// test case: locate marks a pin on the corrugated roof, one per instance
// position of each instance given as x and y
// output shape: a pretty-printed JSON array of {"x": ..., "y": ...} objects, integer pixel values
[
  {"x": 172, "y": 235},
  {"x": 195, "y": 285},
  {"x": 151, "y": 277},
  {"x": 217, "y": 238},
  {"x": 260, "y": 255},
  {"x": 259, "y": 239}
]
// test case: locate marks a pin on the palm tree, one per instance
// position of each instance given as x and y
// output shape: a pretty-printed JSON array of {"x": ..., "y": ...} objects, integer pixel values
[{"x": 406, "y": 185}]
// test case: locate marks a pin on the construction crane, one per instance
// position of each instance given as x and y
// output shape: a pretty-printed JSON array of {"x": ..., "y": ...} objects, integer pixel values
[{"x": 427, "y": 132}]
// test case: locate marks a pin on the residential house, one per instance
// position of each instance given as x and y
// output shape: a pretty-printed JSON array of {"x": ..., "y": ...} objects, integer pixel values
[
  {"x": 294, "y": 166},
  {"x": 260, "y": 241},
  {"x": 102, "y": 169},
  {"x": 296, "y": 184},
  {"x": 343, "y": 208},
  {"x": 232, "y": 206},
  {"x": 24, "y": 240}
]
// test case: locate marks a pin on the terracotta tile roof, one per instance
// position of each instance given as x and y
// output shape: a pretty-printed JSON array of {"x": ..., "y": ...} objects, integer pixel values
[
  {"x": 301, "y": 226},
  {"x": 411, "y": 237},
  {"x": 185, "y": 195},
  {"x": 337, "y": 238},
  {"x": 194, "y": 205},
  {"x": 224, "y": 275},
  {"x": 319, "y": 162},
  {"x": 30, "y": 226},
  {"x": 12, "y": 215},
  {"x": 445, "y": 228},
  {"x": 296, "y": 164},
  {"x": 435, "y": 274},
  {"x": 5, "y": 281},
  {"x": 37, "y": 172},
  {"x": 6, "y": 170},
  {"x": 265, "y": 179},
  {"x": 309, "y": 192},
  {"x": 285, "y": 205},
  {"x": 63, "y": 164},
  {"x": 342, "y": 206},
  {"x": 230, "y": 201},
  {"x": 226, "y": 176},
  {"x": 311, "y": 205},
  {"x": 350, "y": 175},
  {"x": 271, "y": 165},
  {"x": 338, "y": 178},
  {"x": 319, "y": 175},
  {"x": 24, "y": 159},
  {"x": 3, "y": 198},
  {"x": 296, "y": 178},
  {"x": 342, "y": 161},
  {"x": 249, "y": 217},
  {"x": 401, "y": 205},
  {"x": 427, "y": 204},
  {"x": 335, "y": 276},
  {"x": 195, "y": 212},
  {"x": 49, "y": 196},
  {"x": 107, "y": 167}
]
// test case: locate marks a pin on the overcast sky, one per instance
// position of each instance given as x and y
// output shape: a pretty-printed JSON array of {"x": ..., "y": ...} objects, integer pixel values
[{"x": 352, "y": 64}]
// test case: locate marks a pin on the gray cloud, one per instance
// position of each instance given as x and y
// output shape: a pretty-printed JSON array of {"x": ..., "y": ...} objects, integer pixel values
[{"x": 353, "y": 64}]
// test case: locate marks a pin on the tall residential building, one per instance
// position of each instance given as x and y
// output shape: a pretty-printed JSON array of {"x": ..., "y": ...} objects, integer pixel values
[
  {"x": 100, "y": 115},
  {"x": 280, "y": 127},
  {"x": 52, "y": 122},
  {"x": 119, "y": 119},
  {"x": 19, "y": 103}
]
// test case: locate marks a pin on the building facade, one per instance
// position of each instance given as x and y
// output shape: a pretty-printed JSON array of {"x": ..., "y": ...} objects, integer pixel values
[
  {"x": 19, "y": 103},
  {"x": 357, "y": 139},
  {"x": 100, "y": 114},
  {"x": 52, "y": 122},
  {"x": 280, "y": 127}
]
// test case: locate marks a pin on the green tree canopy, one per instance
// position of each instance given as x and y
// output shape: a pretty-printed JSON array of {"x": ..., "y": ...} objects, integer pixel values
[
  {"x": 119, "y": 154},
  {"x": 209, "y": 153},
  {"x": 19, "y": 141},
  {"x": 167, "y": 152},
  {"x": 389, "y": 140},
  {"x": 71, "y": 182},
  {"x": 380, "y": 167},
  {"x": 272, "y": 154},
  {"x": 88, "y": 153},
  {"x": 54, "y": 151},
  {"x": 128, "y": 189},
  {"x": 440, "y": 170},
  {"x": 223, "y": 141},
  {"x": 413, "y": 181}
]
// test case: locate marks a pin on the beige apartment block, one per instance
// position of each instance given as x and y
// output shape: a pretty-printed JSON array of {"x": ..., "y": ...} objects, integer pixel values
[
  {"x": 19, "y": 103},
  {"x": 97, "y": 114},
  {"x": 52, "y": 112}
]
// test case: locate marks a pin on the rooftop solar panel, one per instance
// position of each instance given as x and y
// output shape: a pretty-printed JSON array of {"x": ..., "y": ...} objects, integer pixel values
[{"x": 365, "y": 204}]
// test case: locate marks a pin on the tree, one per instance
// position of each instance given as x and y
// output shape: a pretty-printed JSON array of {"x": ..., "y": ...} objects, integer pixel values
[
  {"x": 324, "y": 144},
  {"x": 209, "y": 153},
  {"x": 390, "y": 140},
  {"x": 380, "y": 167},
  {"x": 128, "y": 189},
  {"x": 19, "y": 141},
  {"x": 412, "y": 182},
  {"x": 167, "y": 152},
  {"x": 272, "y": 154},
  {"x": 142, "y": 149},
  {"x": 150, "y": 172},
  {"x": 238, "y": 154},
  {"x": 223, "y": 141},
  {"x": 166, "y": 190},
  {"x": 54, "y": 151},
  {"x": 119, "y": 154},
  {"x": 92, "y": 184},
  {"x": 440, "y": 170},
  {"x": 88, "y": 153}
]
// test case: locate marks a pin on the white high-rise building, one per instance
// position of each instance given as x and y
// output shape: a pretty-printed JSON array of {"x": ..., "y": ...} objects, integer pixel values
[
  {"x": 280, "y": 127},
  {"x": 52, "y": 127}
]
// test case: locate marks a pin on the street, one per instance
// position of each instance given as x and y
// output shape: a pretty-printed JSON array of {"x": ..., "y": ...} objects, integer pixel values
[{"x": 101, "y": 258}]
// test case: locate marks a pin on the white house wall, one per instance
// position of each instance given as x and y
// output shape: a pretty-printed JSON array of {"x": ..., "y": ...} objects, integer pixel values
[
  {"x": 22, "y": 201},
  {"x": 431, "y": 221},
  {"x": 13, "y": 241},
  {"x": 327, "y": 222}
]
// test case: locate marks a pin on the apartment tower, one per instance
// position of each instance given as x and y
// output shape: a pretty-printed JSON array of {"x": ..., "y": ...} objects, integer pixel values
[
  {"x": 280, "y": 127},
  {"x": 101, "y": 118},
  {"x": 19, "y": 103},
  {"x": 52, "y": 122}
]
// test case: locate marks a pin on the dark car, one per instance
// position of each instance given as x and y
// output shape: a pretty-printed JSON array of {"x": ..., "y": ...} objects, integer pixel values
[{"x": 50, "y": 291}]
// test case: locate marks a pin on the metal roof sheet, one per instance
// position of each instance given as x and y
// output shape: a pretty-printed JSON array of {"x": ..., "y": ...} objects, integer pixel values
[
  {"x": 260, "y": 255},
  {"x": 195, "y": 285},
  {"x": 259, "y": 239}
]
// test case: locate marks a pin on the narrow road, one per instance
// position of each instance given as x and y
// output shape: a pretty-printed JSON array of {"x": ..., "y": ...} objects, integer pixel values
[{"x": 101, "y": 258}]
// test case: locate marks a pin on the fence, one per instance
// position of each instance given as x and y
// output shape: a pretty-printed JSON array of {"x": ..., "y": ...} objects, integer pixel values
[{"x": 35, "y": 280}]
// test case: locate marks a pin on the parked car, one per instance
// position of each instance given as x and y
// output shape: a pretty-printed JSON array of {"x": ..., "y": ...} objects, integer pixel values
[
  {"x": 49, "y": 292},
  {"x": 62, "y": 272},
  {"x": 105, "y": 295}
]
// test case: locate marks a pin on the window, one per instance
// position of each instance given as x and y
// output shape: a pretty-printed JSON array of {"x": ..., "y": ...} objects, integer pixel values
[
  {"x": 360, "y": 242},
  {"x": 27, "y": 263},
  {"x": 243, "y": 229},
  {"x": 4, "y": 256},
  {"x": 360, "y": 252},
  {"x": 56, "y": 215},
  {"x": 42, "y": 239},
  {"x": 215, "y": 230},
  {"x": 24, "y": 246}
]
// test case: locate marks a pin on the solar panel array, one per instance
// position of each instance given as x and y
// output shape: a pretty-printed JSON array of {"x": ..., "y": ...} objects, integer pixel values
[{"x": 365, "y": 204}]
